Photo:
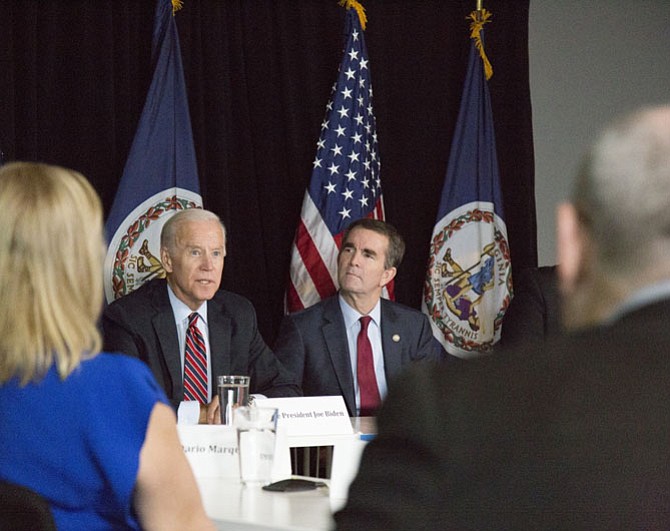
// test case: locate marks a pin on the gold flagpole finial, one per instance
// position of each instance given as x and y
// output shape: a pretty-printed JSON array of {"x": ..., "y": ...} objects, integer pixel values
[
  {"x": 176, "y": 5},
  {"x": 355, "y": 4},
  {"x": 479, "y": 5}
]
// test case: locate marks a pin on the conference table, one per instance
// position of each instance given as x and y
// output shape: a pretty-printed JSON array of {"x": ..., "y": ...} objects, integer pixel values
[{"x": 236, "y": 507}]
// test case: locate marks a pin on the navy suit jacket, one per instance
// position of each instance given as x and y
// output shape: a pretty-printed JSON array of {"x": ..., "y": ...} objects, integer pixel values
[
  {"x": 142, "y": 324},
  {"x": 312, "y": 345}
]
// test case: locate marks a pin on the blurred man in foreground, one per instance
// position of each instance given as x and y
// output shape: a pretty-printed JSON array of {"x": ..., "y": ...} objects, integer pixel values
[{"x": 572, "y": 436}]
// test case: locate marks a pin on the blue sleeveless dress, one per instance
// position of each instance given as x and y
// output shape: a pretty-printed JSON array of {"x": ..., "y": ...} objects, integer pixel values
[{"x": 77, "y": 441}]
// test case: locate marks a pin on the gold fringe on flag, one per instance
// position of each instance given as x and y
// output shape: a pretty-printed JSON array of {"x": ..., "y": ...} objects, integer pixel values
[
  {"x": 359, "y": 9},
  {"x": 177, "y": 5},
  {"x": 478, "y": 19}
]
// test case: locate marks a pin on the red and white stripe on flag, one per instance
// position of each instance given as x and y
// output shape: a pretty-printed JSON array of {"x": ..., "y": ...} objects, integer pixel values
[{"x": 313, "y": 269}]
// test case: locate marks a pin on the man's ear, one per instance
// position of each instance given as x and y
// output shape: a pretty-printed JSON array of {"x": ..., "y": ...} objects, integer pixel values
[
  {"x": 572, "y": 241},
  {"x": 388, "y": 275},
  {"x": 166, "y": 260}
]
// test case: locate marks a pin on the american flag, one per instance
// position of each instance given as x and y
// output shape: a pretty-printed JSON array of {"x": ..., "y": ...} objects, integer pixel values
[{"x": 345, "y": 183}]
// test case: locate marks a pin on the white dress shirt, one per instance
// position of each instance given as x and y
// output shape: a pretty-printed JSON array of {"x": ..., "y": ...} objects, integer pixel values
[
  {"x": 189, "y": 410},
  {"x": 643, "y": 297},
  {"x": 352, "y": 325}
]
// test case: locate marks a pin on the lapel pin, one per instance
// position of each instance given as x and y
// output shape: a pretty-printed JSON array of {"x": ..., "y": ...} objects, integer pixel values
[{"x": 396, "y": 338}]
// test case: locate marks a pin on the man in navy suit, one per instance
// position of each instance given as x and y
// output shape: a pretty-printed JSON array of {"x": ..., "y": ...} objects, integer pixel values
[
  {"x": 318, "y": 345},
  {"x": 151, "y": 323}
]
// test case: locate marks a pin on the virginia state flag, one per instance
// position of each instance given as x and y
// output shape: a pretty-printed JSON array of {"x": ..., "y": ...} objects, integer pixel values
[
  {"x": 468, "y": 281},
  {"x": 161, "y": 174}
]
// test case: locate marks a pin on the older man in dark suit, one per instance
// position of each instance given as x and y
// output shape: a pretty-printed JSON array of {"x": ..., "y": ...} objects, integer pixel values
[
  {"x": 353, "y": 344},
  {"x": 573, "y": 434},
  {"x": 158, "y": 322}
]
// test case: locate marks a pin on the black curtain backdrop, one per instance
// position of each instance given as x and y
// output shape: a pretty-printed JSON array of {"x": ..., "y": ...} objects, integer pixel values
[{"x": 74, "y": 75}]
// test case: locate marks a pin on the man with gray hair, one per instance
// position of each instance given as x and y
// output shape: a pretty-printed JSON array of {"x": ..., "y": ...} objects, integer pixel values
[
  {"x": 187, "y": 330},
  {"x": 570, "y": 435}
]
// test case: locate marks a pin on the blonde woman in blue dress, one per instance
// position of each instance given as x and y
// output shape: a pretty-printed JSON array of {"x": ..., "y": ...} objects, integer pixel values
[{"x": 90, "y": 432}]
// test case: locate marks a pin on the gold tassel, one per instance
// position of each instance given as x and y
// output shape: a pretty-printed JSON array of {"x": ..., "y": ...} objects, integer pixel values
[
  {"x": 176, "y": 5},
  {"x": 359, "y": 9},
  {"x": 479, "y": 18}
]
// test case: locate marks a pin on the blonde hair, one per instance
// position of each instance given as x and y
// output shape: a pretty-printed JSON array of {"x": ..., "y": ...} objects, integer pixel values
[{"x": 51, "y": 253}]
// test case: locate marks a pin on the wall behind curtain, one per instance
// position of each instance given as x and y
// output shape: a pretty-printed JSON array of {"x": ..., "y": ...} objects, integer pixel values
[{"x": 74, "y": 75}]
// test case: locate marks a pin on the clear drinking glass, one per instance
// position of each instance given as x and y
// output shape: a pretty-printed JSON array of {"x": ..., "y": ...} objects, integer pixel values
[
  {"x": 233, "y": 393},
  {"x": 256, "y": 436}
]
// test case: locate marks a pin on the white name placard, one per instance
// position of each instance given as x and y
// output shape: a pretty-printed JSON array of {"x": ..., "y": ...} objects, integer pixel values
[
  {"x": 210, "y": 450},
  {"x": 311, "y": 415},
  {"x": 346, "y": 458}
]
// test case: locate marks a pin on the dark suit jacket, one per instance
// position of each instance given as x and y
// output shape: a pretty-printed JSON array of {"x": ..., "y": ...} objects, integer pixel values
[
  {"x": 534, "y": 312},
  {"x": 312, "y": 345},
  {"x": 142, "y": 324},
  {"x": 573, "y": 436}
]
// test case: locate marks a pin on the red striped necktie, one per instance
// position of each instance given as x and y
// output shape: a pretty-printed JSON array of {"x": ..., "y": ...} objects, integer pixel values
[
  {"x": 367, "y": 381},
  {"x": 195, "y": 363}
]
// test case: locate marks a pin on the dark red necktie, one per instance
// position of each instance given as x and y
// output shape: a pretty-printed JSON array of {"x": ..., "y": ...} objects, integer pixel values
[
  {"x": 367, "y": 381},
  {"x": 195, "y": 363}
]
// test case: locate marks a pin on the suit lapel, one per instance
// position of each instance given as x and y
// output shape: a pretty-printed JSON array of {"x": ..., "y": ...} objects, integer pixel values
[
  {"x": 392, "y": 337},
  {"x": 335, "y": 337},
  {"x": 166, "y": 332},
  {"x": 220, "y": 326}
]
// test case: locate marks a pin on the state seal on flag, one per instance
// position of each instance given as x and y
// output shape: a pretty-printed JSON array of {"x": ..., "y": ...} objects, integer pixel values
[
  {"x": 133, "y": 254},
  {"x": 468, "y": 281}
]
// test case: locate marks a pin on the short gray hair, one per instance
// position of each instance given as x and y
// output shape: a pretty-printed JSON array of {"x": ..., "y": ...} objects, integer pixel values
[
  {"x": 171, "y": 226},
  {"x": 622, "y": 192}
]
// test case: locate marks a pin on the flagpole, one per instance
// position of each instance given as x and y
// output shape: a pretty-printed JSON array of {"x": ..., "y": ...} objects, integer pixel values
[{"x": 479, "y": 5}]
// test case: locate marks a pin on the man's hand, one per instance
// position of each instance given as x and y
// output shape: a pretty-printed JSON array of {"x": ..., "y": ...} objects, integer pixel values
[{"x": 209, "y": 413}]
